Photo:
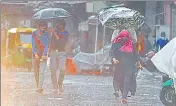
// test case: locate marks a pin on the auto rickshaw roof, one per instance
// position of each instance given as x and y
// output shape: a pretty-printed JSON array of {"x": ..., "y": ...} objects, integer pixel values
[{"x": 21, "y": 30}]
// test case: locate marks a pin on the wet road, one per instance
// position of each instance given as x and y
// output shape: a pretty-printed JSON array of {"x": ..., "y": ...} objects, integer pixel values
[{"x": 18, "y": 89}]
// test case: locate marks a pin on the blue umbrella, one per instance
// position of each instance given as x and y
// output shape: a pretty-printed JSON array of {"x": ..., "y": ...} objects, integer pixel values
[{"x": 51, "y": 13}]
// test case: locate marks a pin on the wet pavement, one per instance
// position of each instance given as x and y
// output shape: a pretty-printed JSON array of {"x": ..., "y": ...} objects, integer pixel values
[{"x": 18, "y": 89}]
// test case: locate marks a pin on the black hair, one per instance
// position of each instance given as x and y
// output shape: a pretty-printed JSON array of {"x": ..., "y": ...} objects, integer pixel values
[
  {"x": 43, "y": 23},
  {"x": 163, "y": 33},
  {"x": 62, "y": 22}
]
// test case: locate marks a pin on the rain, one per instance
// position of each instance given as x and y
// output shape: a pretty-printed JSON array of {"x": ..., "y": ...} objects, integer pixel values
[{"x": 60, "y": 53}]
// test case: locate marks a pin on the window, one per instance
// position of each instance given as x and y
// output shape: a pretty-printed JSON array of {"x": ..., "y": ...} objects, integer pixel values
[{"x": 26, "y": 38}]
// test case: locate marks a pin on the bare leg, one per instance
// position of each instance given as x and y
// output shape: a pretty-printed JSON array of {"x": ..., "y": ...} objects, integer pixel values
[{"x": 36, "y": 63}]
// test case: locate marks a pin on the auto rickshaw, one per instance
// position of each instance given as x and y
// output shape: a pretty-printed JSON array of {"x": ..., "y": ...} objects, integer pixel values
[{"x": 19, "y": 47}]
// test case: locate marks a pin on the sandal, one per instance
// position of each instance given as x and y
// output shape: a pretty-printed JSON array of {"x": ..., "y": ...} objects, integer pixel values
[{"x": 124, "y": 101}]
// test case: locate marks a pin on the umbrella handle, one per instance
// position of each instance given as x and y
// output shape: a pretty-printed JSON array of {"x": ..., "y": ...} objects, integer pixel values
[{"x": 53, "y": 23}]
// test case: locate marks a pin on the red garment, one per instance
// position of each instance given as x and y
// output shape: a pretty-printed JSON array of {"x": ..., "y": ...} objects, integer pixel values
[
  {"x": 59, "y": 35},
  {"x": 39, "y": 43},
  {"x": 128, "y": 45}
]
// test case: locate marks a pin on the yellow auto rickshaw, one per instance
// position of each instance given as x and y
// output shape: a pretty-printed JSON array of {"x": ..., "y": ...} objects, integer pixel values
[{"x": 19, "y": 47}]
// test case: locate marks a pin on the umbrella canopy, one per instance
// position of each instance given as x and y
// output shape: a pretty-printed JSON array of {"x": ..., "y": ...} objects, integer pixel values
[
  {"x": 92, "y": 20},
  {"x": 51, "y": 13},
  {"x": 121, "y": 18}
]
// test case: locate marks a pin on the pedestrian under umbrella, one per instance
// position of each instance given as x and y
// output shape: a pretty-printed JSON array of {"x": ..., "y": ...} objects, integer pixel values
[
  {"x": 51, "y": 13},
  {"x": 125, "y": 57}
]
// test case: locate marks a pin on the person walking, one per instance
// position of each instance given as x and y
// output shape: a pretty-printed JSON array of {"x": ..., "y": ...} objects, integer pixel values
[
  {"x": 118, "y": 72},
  {"x": 40, "y": 44},
  {"x": 57, "y": 50},
  {"x": 162, "y": 41},
  {"x": 126, "y": 57}
]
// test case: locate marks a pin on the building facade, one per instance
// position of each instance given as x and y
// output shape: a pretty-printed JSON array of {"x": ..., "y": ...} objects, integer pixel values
[
  {"x": 161, "y": 17},
  {"x": 173, "y": 19},
  {"x": 14, "y": 13}
]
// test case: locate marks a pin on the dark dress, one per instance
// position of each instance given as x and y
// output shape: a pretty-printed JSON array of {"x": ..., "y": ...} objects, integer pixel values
[
  {"x": 125, "y": 71},
  {"x": 118, "y": 73}
]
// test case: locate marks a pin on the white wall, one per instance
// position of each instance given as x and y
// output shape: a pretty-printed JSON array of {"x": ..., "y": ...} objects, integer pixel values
[
  {"x": 89, "y": 7},
  {"x": 98, "y": 5},
  {"x": 94, "y": 6}
]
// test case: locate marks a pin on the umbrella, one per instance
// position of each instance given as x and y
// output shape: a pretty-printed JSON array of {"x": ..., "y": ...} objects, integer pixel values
[
  {"x": 92, "y": 20},
  {"x": 121, "y": 18},
  {"x": 51, "y": 13}
]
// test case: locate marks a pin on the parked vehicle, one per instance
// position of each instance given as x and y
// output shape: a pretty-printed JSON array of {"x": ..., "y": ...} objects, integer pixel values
[
  {"x": 147, "y": 63},
  {"x": 19, "y": 47},
  {"x": 167, "y": 91}
]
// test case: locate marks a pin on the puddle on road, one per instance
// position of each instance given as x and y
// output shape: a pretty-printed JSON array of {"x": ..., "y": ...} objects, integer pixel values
[
  {"x": 85, "y": 83},
  {"x": 57, "y": 98}
]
